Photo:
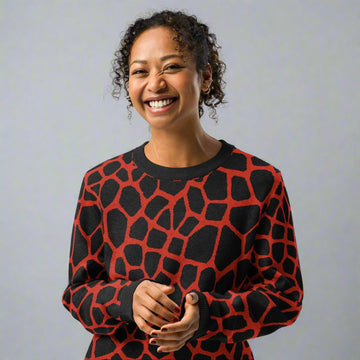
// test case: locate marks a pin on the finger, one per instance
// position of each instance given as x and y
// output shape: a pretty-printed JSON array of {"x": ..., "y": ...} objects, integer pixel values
[
  {"x": 167, "y": 349},
  {"x": 189, "y": 320},
  {"x": 160, "y": 293},
  {"x": 171, "y": 343},
  {"x": 151, "y": 294},
  {"x": 153, "y": 312},
  {"x": 171, "y": 331},
  {"x": 163, "y": 338},
  {"x": 192, "y": 298},
  {"x": 163, "y": 299},
  {"x": 168, "y": 346},
  {"x": 166, "y": 289},
  {"x": 154, "y": 319},
  {"x": 157, "y": 309},
  {"x": 142, "y": 325}
]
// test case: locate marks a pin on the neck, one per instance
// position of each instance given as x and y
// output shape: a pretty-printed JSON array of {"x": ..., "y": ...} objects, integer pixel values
[{"x": 181, "y": 149}]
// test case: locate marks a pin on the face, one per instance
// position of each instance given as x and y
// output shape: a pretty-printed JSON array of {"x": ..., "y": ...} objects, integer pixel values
[{"x": 164, "y": 85}]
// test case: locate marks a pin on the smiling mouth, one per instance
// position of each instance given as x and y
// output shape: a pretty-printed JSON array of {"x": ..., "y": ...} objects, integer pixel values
[{"x": 158, "y": 104}]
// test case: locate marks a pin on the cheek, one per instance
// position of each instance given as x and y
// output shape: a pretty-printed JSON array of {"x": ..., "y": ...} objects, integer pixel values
[
  {"x": 133, "y": 91},
  {"x": 194, "y": 82},
  {"x": 130, "y": 87},
  {"x": 192, "y": 88}
]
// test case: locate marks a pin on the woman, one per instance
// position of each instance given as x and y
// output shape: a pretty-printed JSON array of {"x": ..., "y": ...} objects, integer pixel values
[{"x": 184, "y": 247}]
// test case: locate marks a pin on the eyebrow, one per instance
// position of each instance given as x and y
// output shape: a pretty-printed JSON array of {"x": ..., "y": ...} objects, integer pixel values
[{"x": 164, "y": 58}]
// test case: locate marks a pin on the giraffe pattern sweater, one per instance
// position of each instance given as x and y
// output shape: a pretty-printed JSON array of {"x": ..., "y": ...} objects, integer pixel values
[{"x": 222, "y": 228}]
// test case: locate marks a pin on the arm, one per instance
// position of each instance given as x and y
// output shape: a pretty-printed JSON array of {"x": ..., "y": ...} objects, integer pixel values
[
  {"x": 271, "y": 294},
  {"x": 99, "y": 304}
]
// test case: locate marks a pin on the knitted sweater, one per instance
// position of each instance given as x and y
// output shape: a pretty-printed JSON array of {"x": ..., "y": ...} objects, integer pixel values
[{"x": 222, "y": 228}]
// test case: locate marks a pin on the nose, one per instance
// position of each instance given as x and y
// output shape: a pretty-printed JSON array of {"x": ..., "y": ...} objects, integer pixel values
[{"x": 156, "y": 82}]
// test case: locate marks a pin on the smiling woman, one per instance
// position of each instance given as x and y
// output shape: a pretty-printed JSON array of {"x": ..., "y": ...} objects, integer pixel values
[
  {"x": 184, "y": 247},
  {"x": 190, "y": 36},
  {"x": 164, "y": 85}
]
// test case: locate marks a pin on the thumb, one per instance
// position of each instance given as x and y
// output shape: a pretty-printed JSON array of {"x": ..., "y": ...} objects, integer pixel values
[{"x": 192, "y": 298}]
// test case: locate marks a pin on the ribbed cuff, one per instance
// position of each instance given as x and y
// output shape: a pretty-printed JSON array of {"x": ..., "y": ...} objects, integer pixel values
[{"x": 123, "y": 310}]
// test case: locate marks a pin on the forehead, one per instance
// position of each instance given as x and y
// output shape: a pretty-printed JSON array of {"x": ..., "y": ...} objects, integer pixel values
[{"x": 153, "y": 42}]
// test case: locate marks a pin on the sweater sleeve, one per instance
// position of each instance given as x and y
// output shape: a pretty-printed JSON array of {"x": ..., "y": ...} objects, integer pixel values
[
  {"x": 271, "y": 291},
  {"x": 101, "y": 305}
]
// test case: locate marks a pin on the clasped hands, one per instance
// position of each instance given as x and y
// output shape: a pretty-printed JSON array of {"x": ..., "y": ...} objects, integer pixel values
[{"x": 152, "y": 307}]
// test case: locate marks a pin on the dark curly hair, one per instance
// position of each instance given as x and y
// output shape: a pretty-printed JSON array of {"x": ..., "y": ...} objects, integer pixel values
[{"x": 191, "y": 36}]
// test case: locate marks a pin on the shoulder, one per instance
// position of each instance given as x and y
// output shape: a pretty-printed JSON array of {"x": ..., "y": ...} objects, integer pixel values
[
  {"x": 118, "y": 165},
  {"x": 249, "y": 171},
  {"x": 246, "y": 162}
]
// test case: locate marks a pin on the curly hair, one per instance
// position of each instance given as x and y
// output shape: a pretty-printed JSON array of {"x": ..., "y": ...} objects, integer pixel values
[{"x": 191, "y": 36}]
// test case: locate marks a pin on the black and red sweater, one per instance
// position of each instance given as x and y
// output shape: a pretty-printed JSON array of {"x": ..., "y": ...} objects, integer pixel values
[{"x": 222, "y": 228}]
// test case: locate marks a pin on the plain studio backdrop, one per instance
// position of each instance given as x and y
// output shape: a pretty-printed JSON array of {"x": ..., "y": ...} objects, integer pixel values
[{"x": 293, "y": 100}]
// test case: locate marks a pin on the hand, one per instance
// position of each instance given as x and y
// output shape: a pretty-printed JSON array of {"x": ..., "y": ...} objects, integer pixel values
[
  {"x": 172, "y": 337},
  {"x": 152, "y": 306}
]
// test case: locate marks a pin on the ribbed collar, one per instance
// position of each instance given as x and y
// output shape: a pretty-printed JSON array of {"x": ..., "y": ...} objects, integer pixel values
[{"x": 182, "y": 173}]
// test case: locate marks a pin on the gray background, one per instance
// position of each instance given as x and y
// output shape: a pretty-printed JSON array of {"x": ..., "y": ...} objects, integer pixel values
[{"x": 293, "y": 99}]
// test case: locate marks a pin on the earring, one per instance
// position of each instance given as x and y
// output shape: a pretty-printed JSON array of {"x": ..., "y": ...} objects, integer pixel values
[{"x": 207, "y": 91}]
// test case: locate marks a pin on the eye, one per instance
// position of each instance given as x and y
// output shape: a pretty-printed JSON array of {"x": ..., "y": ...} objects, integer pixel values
[
  {"x": 172, "y": 67},
  {"x": 138, "y": 72}
]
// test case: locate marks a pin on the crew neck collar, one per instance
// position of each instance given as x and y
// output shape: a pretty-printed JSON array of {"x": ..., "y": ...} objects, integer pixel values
[{"x": 181, "y": 173}]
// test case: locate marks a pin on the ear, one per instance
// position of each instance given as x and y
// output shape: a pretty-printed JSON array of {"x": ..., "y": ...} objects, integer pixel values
[{"x": 206, "y": 78}]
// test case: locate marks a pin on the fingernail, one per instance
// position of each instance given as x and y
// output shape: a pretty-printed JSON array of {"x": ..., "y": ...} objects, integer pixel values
[
  {"x": 154, "y": 335},
  {"x": 164, "y": 330},
  {"x": 177, "y": 309},
  {"x": 153, "y": 342}
]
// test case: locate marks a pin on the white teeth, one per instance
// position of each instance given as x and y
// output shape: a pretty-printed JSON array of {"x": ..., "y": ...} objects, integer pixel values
[{"x": 160, "y": 103}]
